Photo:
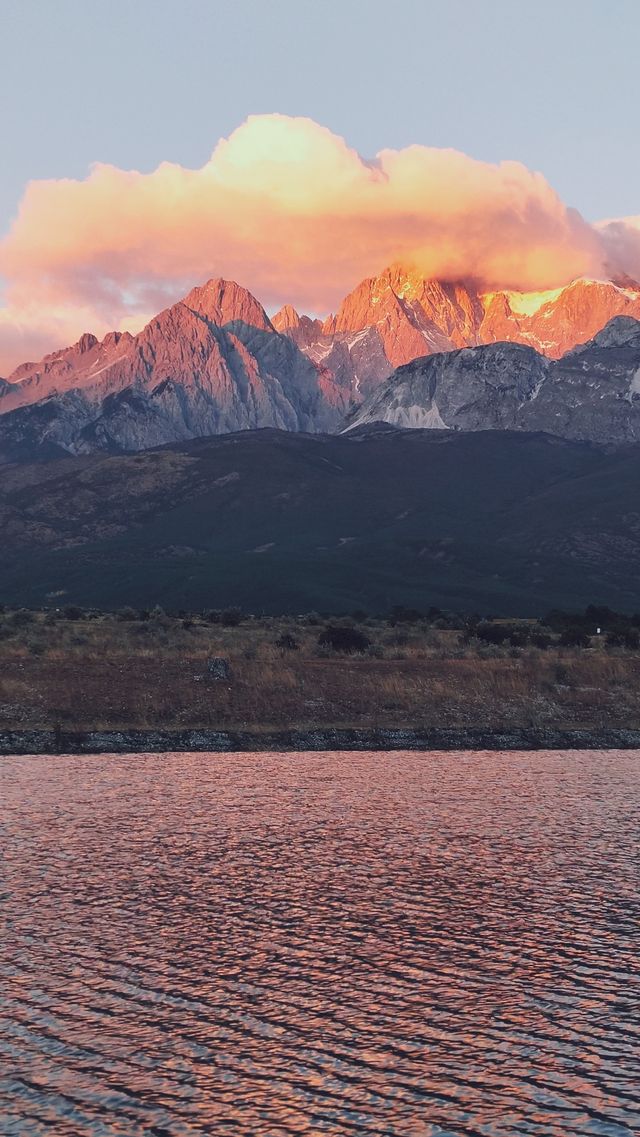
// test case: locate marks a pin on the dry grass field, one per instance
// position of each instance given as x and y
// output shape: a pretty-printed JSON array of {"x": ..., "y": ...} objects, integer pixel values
[{"x": 88, "y": 671}]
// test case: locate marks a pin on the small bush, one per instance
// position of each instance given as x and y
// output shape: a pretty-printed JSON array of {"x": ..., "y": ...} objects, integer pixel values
[
  {"x": 126, "y": 615},
  {"x": 287, "y": 642},
  {"x": 212, "y": 616},
  {"x": 491, "y": 633},
  {"x": 22, "y": 618},
  {"x": 401, "y": 615},
  {"x": 343, "y": 638},
  {"x": 624, "y": 637},
  {"x": 574, "y": 637},
  {"x": 231, "y": 617},
  {"x": 72, "y": 612},
  {"x": 542, "y": 640}
]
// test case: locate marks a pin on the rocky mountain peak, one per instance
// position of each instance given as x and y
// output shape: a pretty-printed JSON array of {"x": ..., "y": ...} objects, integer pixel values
[
  {"x": 214, "y": 362},
  {"x": 621, "y": 331},
  {"x": 286, "y": 319},
  {"x": 86, "y": 342},
  {"x": 224, "y": 302}
]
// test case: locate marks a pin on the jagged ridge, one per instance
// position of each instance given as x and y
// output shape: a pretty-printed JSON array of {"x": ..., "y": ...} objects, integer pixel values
[
  {"x": 215, "y": 363},
  {"x": 592, "y": 393}
]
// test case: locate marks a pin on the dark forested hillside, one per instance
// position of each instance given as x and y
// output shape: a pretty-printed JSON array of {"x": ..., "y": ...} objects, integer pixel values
[{"x": 283, "y": 522}]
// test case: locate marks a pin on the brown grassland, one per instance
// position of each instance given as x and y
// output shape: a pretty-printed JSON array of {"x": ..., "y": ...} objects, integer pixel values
[{"x": 81, "y": 671}]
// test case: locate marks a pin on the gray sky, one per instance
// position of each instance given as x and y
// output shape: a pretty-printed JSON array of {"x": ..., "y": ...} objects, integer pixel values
[{"x": 133, "y": 82}]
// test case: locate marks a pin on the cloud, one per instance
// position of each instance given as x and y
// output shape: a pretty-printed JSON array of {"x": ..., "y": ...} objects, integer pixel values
[
  {"x": 621, "y": 239},
  {"x": 290, "y": 211}
]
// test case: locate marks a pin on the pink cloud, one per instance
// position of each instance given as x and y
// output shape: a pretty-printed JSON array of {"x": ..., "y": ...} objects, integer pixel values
[{"x": 290, "y": 211}]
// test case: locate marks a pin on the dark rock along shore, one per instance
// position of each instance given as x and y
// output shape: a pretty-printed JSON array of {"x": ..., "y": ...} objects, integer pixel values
[{"x": 146, "y": 741}]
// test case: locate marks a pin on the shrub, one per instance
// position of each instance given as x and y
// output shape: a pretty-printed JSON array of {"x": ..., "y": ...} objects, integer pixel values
[
  {"x": 490, "y": 651},
  {"x": 574, "y": 637},
  {"x": 212, "y": 615},
  {"x": 126, "y": 614},
  {"x": 339, "y": 637},
  {"x": 287, "y": 642},
  {"x": 401, "y": 615},
  {"x": 624, "y": 637},
  {"x": 491, "y": 633},
  {"x": 231, "y": 617},
  {"x": 22, "y": 617},
  {"x": 72, "y": 612},
  {"x": 600, "y": 617},
  {"x": 541, "y": 639}
]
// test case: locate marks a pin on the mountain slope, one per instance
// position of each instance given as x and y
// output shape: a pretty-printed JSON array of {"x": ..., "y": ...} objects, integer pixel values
[
  {"x": 215, "y": 363},
  {"x": 210, "y": 364},
  {"x": 593, "y": 392},
  {"x": 398, "y": 316},
  {"x": 276, "y": 521}
]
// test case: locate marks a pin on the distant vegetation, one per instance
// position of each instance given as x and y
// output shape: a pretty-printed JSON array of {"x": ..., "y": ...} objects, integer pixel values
[{"x": 82, "y": 668}]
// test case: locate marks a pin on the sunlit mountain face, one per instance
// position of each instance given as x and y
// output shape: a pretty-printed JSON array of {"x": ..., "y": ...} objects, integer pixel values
[
  {"x": 215, "y": 362},
  {"x": 415, "y": 316}
]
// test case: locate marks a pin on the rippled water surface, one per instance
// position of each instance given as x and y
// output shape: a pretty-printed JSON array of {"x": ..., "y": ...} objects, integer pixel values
[{"x": 320, "y": 943}]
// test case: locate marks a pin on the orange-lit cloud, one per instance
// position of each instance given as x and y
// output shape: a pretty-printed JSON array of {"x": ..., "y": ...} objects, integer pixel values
[
  {"x": 621, "y": 238},
  {"x": 290, "y": 211}
]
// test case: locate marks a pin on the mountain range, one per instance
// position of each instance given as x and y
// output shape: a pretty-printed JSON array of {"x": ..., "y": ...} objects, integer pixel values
[
  {"x": 215, "y": 363},
  {"x": 591, "y": 393}
]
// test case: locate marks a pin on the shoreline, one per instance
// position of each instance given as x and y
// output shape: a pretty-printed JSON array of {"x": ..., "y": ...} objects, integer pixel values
[{"x": 59, "y": 742}]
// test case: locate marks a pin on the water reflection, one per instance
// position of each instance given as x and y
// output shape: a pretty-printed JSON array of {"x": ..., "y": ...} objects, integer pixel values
[{"x": 423, "y": 945}]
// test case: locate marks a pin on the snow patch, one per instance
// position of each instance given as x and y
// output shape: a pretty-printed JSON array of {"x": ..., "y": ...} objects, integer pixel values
[
  {"x": 316, "y": 353},
  {"x": 111, "y": 363},
  {"x": 351, "y": 341},
  {"x": 419, "y": 418}
]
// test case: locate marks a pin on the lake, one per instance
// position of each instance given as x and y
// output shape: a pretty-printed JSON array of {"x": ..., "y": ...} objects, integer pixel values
[{"x": 287, "y": 944}]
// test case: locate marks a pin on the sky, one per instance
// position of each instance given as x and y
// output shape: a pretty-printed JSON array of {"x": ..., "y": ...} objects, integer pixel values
[{"x": 132, "y": 86}]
